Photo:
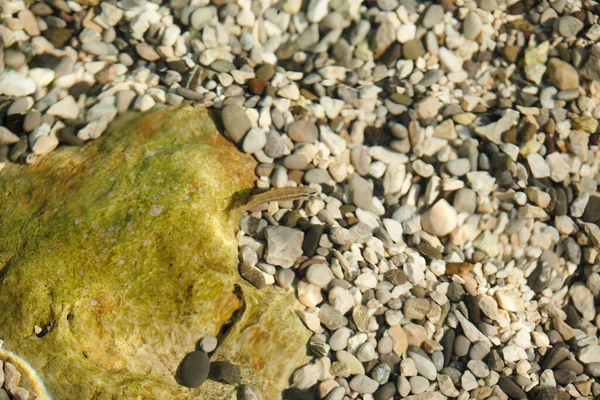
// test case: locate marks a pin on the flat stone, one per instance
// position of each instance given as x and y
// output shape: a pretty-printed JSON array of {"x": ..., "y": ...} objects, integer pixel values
[
  {"x": 147, "y": 52},
  {"x": 254, "y": 141},
  {"x": 236, "y": 122},
  {"x": 589, "y": 354},
  {"x": 303, "y": 131},
  {"x": 424, "y": 364},
  {"x": 66, "y": 108},
  {"x": 331, "y": 318},
  {"x": 355, "y": 366},
  {"x": 363, "y": 384}
]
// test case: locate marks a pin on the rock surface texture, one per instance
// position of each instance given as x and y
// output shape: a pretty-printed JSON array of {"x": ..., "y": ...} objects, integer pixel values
[{"x": 124, "y": 253}]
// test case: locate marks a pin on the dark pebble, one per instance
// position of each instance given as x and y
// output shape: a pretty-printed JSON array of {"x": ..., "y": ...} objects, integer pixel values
[
  {"x": 298, "y": 394},
  {"x": 79, "y": 88},
  {"x": 67, "y": 135},
  {"x": 223, "y": 371},
  {"x": 511, "y": 389},
  {"x": 58, "y": 36},
  {"x": 538, "y": 280},
  {"x": 311, "y": 240},
  {"x": 573, "y": 319},
  {"x": 385, "y": 392},
  {"x": 592, "y": 210},
  {"x": 265, "y": 72},
  {"x": 455, "y": 292},
  {"x": 546, "y": 392},
  {"x": 560, "y": 207},
  {"x": 564, "y": 376},
  {"x": 194, "y": 369},
  {"x": 447, "y": 343},
  {"x": 396, "y": 276},
  {"x": 556, "y": 355}
]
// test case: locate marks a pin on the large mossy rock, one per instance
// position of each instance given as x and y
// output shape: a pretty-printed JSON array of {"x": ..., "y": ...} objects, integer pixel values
[{"x": 126, "y": 249}]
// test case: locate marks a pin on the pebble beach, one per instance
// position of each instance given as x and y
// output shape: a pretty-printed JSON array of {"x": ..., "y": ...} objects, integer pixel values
[{"x": 451, "y": 249}]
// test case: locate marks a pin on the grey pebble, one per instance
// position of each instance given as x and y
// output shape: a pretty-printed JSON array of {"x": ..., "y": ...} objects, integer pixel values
[
  {"x": 569, "y": 26},
  {"x": 236, "y": 122},
  {"x": 363, "y": 384},
  {"x": 303, "y": 131},
  {"x": 433, "y": 15},
  {"x": 461, "y": 346}
]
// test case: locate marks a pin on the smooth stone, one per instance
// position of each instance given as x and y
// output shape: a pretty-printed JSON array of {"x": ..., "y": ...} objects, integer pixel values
[
  {"x": 363, "y": 384},
  {"x": 303, "y": 131},
  {"x": 7, "y": 137},
  {"x": 66, "y": 108},
  {"x": 194, "y": 368},
  {"x": 424, "y": 364},
  {"x": 569, "y": 26},
  {"x": 562, "y": 74},
  {"x": 472, "y": 26},
  {"x": 209, "y": 344},
  {"x": 236, "y": 122},
  {"x": 14, "y": 84},
  {"x": 254, "y": 141},
  {"x": 465, "y": 200},
  {"x": 226, "y": 372}
]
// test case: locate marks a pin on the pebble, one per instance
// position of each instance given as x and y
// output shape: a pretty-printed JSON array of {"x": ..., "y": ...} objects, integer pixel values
[
  {"x": 472, "y": 26},
  {"x": 569, "y": 26},
  {"x": 7, "y": 137},
  {"x": 194, "y": 369},
  {"x": 14, "y": 84},
  {"x": 303, "y": 131},
  {"x": 424, "y": 365},
  {"x": 66, "y": 108},
  {"x": 363, "y": 384},
  {"x": 562, "y": 74},
  {"x": 254, "y": 141},
  {"x": 223, "y": 371},
  {"x": 440, "y": 219},
  {"x": 248, "y": 392},
  {"x": 208, "y": 344},
  {"x": 236, "y": 122}
]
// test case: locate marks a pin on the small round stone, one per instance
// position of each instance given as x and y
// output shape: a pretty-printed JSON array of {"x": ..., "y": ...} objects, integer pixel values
[
  {"x": 194, "y": 369},
  {"x": 209, "y": 344}
]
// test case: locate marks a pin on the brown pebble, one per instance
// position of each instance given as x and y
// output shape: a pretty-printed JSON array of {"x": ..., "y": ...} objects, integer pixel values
[
  {"x": 458, "y": 268},
  {"x": 257, "y": 86}
]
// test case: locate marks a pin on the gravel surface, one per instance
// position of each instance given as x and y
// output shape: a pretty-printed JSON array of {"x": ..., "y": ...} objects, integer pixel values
[{"x": 452, "y": 247}]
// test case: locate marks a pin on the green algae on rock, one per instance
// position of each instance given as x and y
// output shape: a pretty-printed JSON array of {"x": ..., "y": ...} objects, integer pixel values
[{"x": 126, "y": 249}]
